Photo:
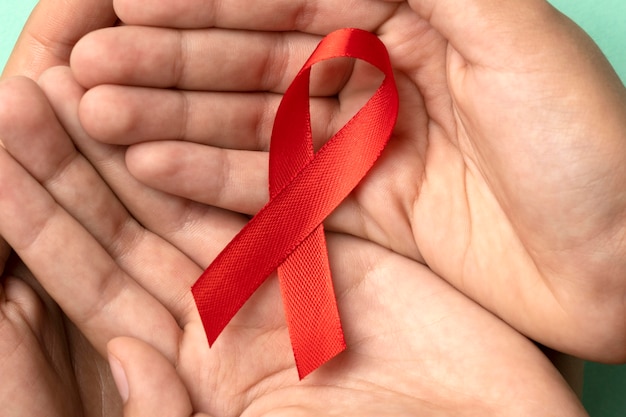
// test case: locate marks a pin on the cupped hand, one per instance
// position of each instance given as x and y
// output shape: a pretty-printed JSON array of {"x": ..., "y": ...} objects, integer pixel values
[
  {"x": 505, "y": 174},
  {"x": 46, "y": 365},
  {"x": 120, "y": 265},
  {"x": 38, "y": 344}
]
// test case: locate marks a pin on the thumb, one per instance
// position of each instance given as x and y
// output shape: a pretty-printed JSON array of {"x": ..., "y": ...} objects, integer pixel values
[
  {"x": 147, "y": 381},
  {"x": 51, "y": 32}
]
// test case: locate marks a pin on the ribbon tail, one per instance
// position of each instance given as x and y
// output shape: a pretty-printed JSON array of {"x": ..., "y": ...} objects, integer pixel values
[{"x": 310, "y": 305}]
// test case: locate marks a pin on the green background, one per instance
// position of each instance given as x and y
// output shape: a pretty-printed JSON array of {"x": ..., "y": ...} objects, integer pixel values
[{"x": 604, "y": 393}]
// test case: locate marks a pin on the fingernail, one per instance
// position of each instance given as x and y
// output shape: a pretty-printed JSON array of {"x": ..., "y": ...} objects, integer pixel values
[{"x": 119, "y": 376}]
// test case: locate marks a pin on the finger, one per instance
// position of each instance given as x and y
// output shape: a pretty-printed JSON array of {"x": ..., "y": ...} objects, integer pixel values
[
  {"x": 318, "y": 16},
  {"x": 28, "y": 364},
  {"x": 52, "y": 30},
  {"x": 25, "y": 305},
  {"x": 198, "y": 231},
  {"x": 148, "y": 384},
  {"x": 234, "y": 180},
  {"x": 74, "y": 269},
  {"x": 35, "y": 305},
  {"x": 217, "y": 60},
  {"x": 34, "y": 137},
  {"x": 119, "y": 115}
]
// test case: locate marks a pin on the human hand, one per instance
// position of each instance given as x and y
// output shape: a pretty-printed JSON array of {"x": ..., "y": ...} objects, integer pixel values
[
  {"x": 415, "y": 343},
  {"x": 505, "y": 173},
  {"x": 36, "y": 341},
  {"x": 150, "y": 385},
  {"x": 47, "y": 366}
]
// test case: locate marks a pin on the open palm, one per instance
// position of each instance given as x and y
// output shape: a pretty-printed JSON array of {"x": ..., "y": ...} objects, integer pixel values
[
  {"x": 504, "y": 175},
  {"x": 416, "y": 344}
]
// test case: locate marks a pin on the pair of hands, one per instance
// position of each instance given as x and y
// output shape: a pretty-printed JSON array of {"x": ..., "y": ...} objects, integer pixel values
[{"x": 498, "y": 178}]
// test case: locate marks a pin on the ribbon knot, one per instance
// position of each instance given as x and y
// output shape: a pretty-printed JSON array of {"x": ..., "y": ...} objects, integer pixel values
[{"x": 287, "y": 234}]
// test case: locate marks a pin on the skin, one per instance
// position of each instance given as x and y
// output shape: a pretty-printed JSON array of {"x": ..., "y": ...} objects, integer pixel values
[
  {"x": 41, "y": 350},
  {"x": 505, "y": 174},
  {"x": 47, "y": 40},
  {"x": 145, "y": 375},
  {"x": 414, "y": 343},
  {"x": 105, "y": 246},
  {"x": 51, "y": 32}
]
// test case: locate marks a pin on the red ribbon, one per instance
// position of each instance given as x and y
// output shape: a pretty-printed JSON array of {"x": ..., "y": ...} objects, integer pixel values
[{"x": 287, "y": 234}]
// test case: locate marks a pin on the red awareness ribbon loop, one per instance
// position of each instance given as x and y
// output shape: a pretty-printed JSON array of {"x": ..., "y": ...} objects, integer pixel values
[{"x": 287, "y": 234}]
